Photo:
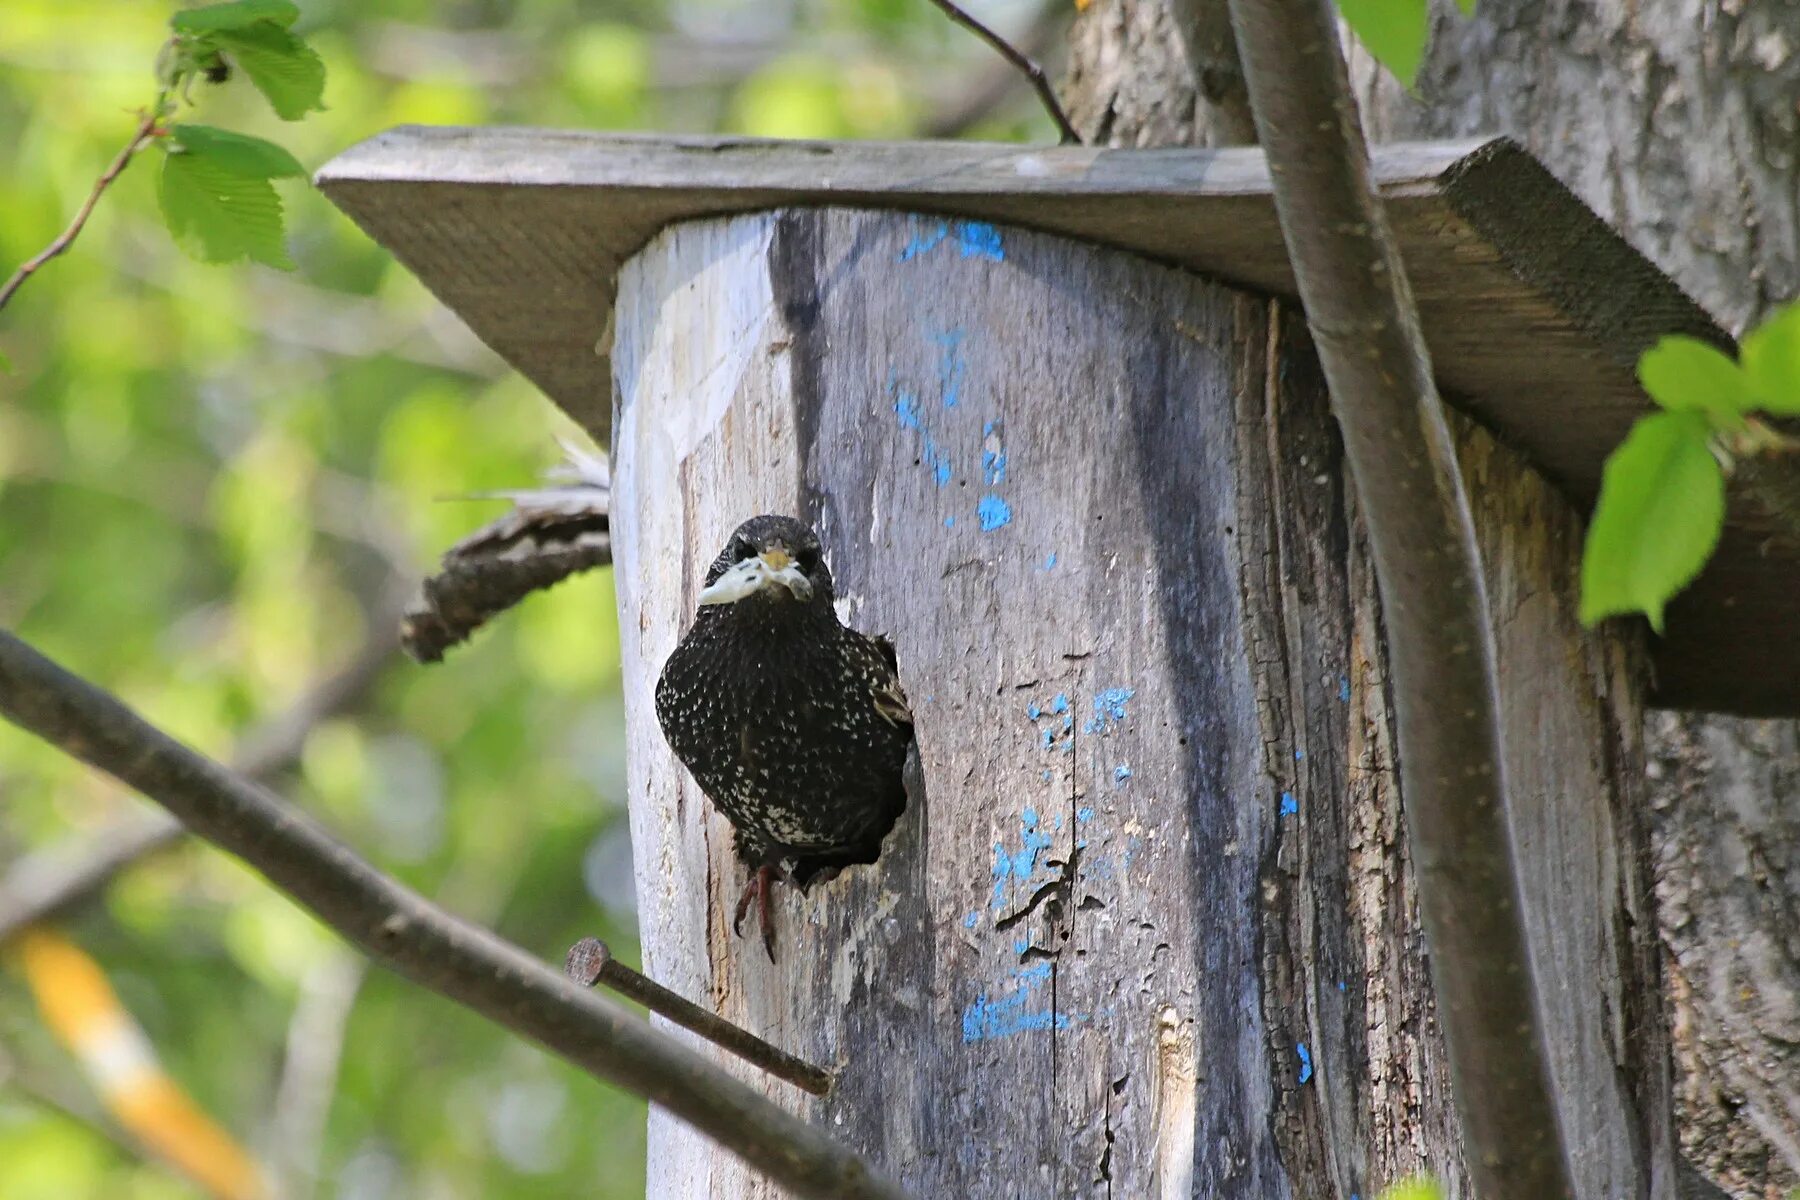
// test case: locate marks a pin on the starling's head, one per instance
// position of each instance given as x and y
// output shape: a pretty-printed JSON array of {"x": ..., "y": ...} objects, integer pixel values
[{"x": 775, "y": 559}]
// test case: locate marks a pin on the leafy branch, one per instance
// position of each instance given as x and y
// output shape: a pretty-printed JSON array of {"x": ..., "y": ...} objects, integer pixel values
[
  {"x": 1662, "y": 496},
  {"x": 215, "y": 190}
]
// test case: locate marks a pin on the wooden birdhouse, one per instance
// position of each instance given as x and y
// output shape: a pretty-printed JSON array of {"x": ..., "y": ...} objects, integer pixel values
[{"x": 1147, "y": 927}]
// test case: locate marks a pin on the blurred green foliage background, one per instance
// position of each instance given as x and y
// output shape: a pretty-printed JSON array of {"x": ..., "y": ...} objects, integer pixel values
[{"x": 209, "y": 477}]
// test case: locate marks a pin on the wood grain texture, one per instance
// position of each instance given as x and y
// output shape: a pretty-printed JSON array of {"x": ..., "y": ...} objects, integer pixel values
[
  {"x": 1533, "y": 309},
  {"x": 1147, "y": 927}
]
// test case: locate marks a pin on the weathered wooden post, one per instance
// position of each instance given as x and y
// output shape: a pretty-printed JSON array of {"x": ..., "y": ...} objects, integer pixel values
[{"x": 1147, "y": 926}]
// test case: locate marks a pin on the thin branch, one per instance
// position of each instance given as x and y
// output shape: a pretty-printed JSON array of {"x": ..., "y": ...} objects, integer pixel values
[
  {"x": 146, "y": 130},
  {"x": 988, "y": 89},
  {"x": 309, "y": 1073},
  {"x": 56, "y": 879},
  {"x": 591, "y": 962},
  {"x": 421, "y": 941},
  {"x": 1434, "y": 602},
  {"x": 1040, "y": 82}
]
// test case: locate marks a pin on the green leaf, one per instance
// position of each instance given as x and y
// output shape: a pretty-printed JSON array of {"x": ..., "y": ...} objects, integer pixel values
[
  {"x": 284, "y": 69},
  {"x": 1662, "y": 504},
  {"x": 1771, "y": 357},
  {"x": 236, "y": 152},
  {"x": 1684, "y": 374},
  {"x": 239, "y": 14},
  {"x": 222, "y": 207},
  {"x": 1393, "y": 31}
]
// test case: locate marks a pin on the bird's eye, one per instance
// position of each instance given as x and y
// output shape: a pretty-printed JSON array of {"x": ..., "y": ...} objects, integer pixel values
[{"x": 741, "y": 549}]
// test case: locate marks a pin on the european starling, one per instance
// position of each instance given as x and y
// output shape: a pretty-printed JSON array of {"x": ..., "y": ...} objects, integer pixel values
[{"x": 793, "y": 724}]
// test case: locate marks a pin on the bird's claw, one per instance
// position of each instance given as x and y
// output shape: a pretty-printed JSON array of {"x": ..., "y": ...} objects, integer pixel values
[{"x": 760, "y": 887}]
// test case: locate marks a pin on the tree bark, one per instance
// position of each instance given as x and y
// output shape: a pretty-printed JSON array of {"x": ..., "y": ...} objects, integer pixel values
[
  {"x": 1147, "y": 927},
  {"x": 1676, "y": 120}
]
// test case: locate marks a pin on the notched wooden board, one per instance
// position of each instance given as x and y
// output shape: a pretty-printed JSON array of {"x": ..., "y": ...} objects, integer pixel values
[{"x": 1534, "y": 309}]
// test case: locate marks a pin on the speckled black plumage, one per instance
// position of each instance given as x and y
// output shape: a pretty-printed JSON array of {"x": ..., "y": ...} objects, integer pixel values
[{"x": 794, "y": 725}]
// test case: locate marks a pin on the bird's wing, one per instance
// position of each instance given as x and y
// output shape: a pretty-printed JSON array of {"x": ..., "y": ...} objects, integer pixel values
[{"x": 890, "y": 698}]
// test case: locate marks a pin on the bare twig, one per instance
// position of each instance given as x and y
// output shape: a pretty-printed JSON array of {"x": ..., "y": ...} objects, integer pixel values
[
  {"x": 409, "y": 934},
  {"x": 590, "y": 962},
  {"x": 989, "y": 88},
  {"x": 146, "y": 130},
  {"x": 1040, "y": 82},
  {"x": 53, "y": 880},
  {"x": 1403, "y": 463}
]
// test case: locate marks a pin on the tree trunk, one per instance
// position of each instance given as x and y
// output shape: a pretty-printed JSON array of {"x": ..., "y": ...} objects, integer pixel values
[
  {"x": 1147, "y": 927},
  {"x": 1677, "y": 121}
]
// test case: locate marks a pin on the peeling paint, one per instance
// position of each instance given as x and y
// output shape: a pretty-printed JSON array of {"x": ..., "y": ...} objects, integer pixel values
[
  {"x": 1022, "y": 863},
  {"x": 1305, "y": 1061},
  {"x": 1109, "y": 710},
  {"x": 1289, "y": 806},
  {"x": 1121, "y": 773}
]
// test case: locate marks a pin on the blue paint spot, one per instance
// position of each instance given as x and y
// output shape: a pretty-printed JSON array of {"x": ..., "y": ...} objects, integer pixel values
[
  {"x": 980, "y": 240},
  {"x": 1059, "y": 702},
  {"x": 1299, "y": 754},
  {"x": 1050, "y": 561},
  {"x": 942, "y": 471},
  {"x": 1121, "y": 773},
  {"x": 1342, "y": 985},
  {"x": 1084, "y": 815},
  {"x": 1020, "y": 864},
  {"x": 949, "y": 522},
  {"x": 1289, "y": 805},
  {"x": 1344, "y": 688},
  {"x": 987, "y": 427},
  {"x": 906, "y": 405},
  {"x": 1109, "y": 708},
  {"x": 1021, "y": 947},
  {"x": 1049, "y": 738},
  {"x": 993, "y": 467},
  {"x": 1011, "y": 1014},
  {"x": 1068, "y": 722},
  {"x": 950, "y": 366},
  {"x": 1046, "y": 774},
  {"x": 975, "y": 239},
  {"x": 1033, "y": 711},
  {"x": 971, "y": 920},
  {"x": 1305, "y": 1061},
  {"x": 994, "y": 512},
  {"x": 923, "y": 242}
]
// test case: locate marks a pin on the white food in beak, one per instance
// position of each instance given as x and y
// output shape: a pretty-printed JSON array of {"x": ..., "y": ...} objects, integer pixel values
[{"x": 752, "y": 576}]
